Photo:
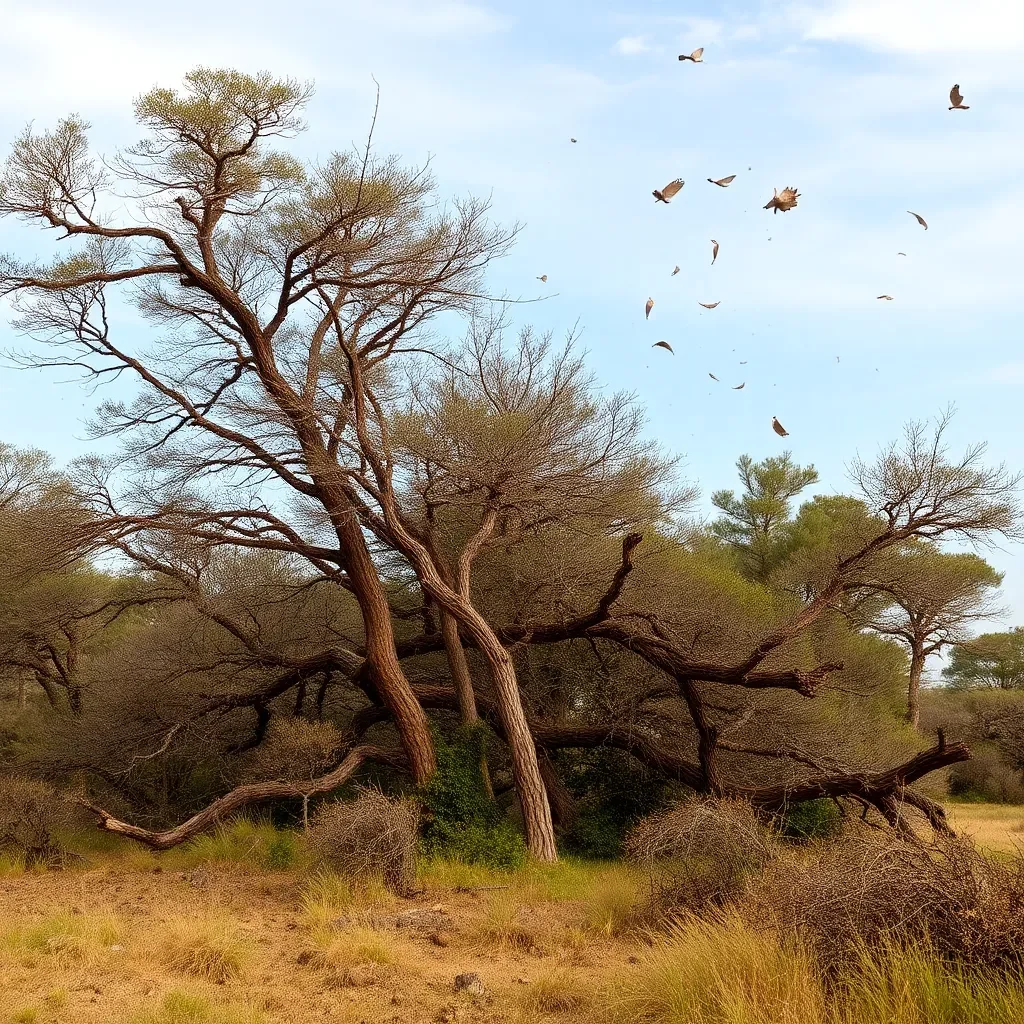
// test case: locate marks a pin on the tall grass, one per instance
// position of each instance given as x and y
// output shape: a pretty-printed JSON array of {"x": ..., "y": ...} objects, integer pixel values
[
  {"x": 727, "y": 972},
  {"x": 248, "y": 842},
  {"x": 206, "y": 948},
  {"x": 181, "y": 1007}
]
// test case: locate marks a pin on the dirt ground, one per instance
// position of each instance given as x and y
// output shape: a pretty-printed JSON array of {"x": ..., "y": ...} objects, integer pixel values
[{"x": 231, "y": 946}]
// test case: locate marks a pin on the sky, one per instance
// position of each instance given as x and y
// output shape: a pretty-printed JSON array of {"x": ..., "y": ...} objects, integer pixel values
[{"x": 844, "y": 99}]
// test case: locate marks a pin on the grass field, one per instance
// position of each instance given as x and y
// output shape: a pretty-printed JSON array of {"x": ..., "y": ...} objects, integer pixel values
[
  {"x": 216, "y": 934},
  {"x": 996, "y": 827}
]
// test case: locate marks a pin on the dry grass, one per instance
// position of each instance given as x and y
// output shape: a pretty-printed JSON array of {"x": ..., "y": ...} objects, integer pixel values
[
  {"x": 210, "y": 949},
  {"x": 995, "y": 827},
  {"x": 554, "y": 945}
]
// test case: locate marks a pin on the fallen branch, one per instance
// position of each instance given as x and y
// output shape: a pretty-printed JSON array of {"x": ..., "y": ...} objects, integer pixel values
[{"x": 242, "y": 796}]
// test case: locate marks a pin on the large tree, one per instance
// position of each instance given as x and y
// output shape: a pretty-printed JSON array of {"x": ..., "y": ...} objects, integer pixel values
[{"x": 988, "y": 661}]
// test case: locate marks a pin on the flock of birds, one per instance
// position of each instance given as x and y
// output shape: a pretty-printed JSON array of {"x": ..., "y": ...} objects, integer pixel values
[{"x": 785, "y": 200}]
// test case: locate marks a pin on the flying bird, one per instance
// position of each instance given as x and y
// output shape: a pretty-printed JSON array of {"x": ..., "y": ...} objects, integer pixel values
[
  {"x": 722, "y": 182},
  {"x": 572, "y": 140},
  {"x": 889, "y": 297},
  {"x": 665, "y": 194},
  {"x": 784, "y": 200},
  {"x": 712, "y": 376},
  {"x": 920, "y": 219},
  {"x": 779, "y": 428},
  {"x": 740, "y": 387},
  {"x": 663, "y": 344},
  {"x": 543, "y": 278},
  {"x": 714, "y": 251},
  {"x": 674, "y": 272},
  {"x": 648, "y": 308},
  {"x": 708, "y": 305},
  {"x": 743, "y": 362},
  {"x": 695, "y": 56},
  {"x": 901, "y": 254},
  {"x": 956, "y": 99}
]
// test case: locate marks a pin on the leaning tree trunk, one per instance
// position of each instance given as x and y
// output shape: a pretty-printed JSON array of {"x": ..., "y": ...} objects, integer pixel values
[
  {"x": 385, "y": 669},
  {"x": 459, "y": 667},
  {"x": 914, "y": 685}
]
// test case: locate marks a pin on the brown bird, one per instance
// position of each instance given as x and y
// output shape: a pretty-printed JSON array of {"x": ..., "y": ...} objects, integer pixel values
[
  {"x": 920, "y": 219},
  {"x": 543, "y": 278},
  {"x": 779, "y": 428},
  {"x": 889, "y": 297},
  {"x": 674, "y": 272},
  {"x": 665, "y": 194},
  {"x": 712, "y": 376},
  {"x": 722, "y": 182},
  {"x": 740, "y": 387},
  {"x": 708, "y": 305},
  {"x": 784, "y": 200},
  {"x": 648, "y": 308},
  {"x": 663, "y": 344},
  {"x": 956, "y": 99},
  {"x": 695, "y": 56},
  {"x": 714, "y": 251}
]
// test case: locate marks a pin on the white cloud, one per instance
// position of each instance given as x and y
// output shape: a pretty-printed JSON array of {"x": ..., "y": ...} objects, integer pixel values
[
  {"x": 918, "y": 26},
  {"x": 631, "y": 46}
]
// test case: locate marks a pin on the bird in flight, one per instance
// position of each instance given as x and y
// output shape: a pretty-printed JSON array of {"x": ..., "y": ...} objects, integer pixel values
[
  {"x": 648, "y": 308},
  {"x": 696, "y": 56},
  {"x": 674, "y": 272},
  {"x": 665, "y": 194},
  {"x": 743, "y": 362},
  {"x": 784, "y": 200},
  {"x": 722, "y": 182},
  {"x": 920, "y": 219},
  {"x": 779, "y": 428},
  {"x": 663, "y": 344},
  {"x": 740, "y": 387},
  {"x": 708, "y": 305},
  {"x": 714, "y": 251},
  {"x": 712, "y": 376},
  {"x": 956, "y": 99},
  {"x": 572, "y": 140},
  {"x": 901, "y": 254},
  {"x": 889, "y": 297},
  {"x": 543, "y": 278}
]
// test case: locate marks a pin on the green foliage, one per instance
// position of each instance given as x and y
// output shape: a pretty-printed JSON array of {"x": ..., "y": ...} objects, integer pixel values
[
  {"x": 755, "y": 521},
  {"x": 811, "y": 819},
  {"x": 986, "y": 778},
  {"x": 460, "y": 820},
  {"x": 992, "y": 660},
  {"x": 612, "y": 792}
]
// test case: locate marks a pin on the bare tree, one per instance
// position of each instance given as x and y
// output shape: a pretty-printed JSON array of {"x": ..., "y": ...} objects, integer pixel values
[{"x": 248, "y": 262}]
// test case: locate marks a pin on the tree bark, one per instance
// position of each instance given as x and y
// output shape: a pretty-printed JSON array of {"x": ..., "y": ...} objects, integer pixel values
[
  {"x": 917, "y": 659},
  {"x": 241, "y": 796},
  {"x": 386, "y": 671},
  {"x": 459, "y": 668}
]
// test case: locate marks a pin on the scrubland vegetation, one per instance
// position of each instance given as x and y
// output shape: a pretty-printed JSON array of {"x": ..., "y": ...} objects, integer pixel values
[{"x": 532, "y": 740}]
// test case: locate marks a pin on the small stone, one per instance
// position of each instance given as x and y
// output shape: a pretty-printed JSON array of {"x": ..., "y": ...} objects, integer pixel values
[
  {"x": 116, "y": 949},
  {"x": 441, "y": 939},
  {"x": 359, "y": 976},
  {"x": 470, "y": 982}
]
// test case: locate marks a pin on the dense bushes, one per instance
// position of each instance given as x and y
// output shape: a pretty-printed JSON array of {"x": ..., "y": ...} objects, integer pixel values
[
  {"x": 31, "y": 815},
  {"x": 460, "y": 819}
]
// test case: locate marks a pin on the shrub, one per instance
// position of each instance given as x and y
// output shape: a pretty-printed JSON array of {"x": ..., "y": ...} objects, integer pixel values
[
  {"x": 878, "y": 888},
  {"x": 203, "y": 948},
  {"x": 369, "y": 837},
  {"x": 31, "y": 813},
  {"x": 811, "y": 819},
  {"x": 986, "y": 777},
  {"x": 460, "y": 819},
  {"x": 700, "y": 853}
]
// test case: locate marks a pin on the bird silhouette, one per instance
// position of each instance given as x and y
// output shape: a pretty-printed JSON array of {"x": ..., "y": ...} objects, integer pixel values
[
  {"x": 722, "y": 182},
  {"x": 708, "y": 305},
  {"x": 695, "y": 56},
  {"x": 779, "y": 428},
  {"x": 665, "y": 194},
  {"x": 920, "y": 219},
  {"x": 784, "y": 200},
  {"x": 714, "y": 251},
  {"x": 956, "y": 99},
  {"x": 663, "y": 344},
  {"x": 648, "y": 308}
]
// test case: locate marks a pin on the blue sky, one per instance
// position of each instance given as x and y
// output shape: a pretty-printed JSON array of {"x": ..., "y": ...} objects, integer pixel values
[{"x": 844, "y": 99}]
